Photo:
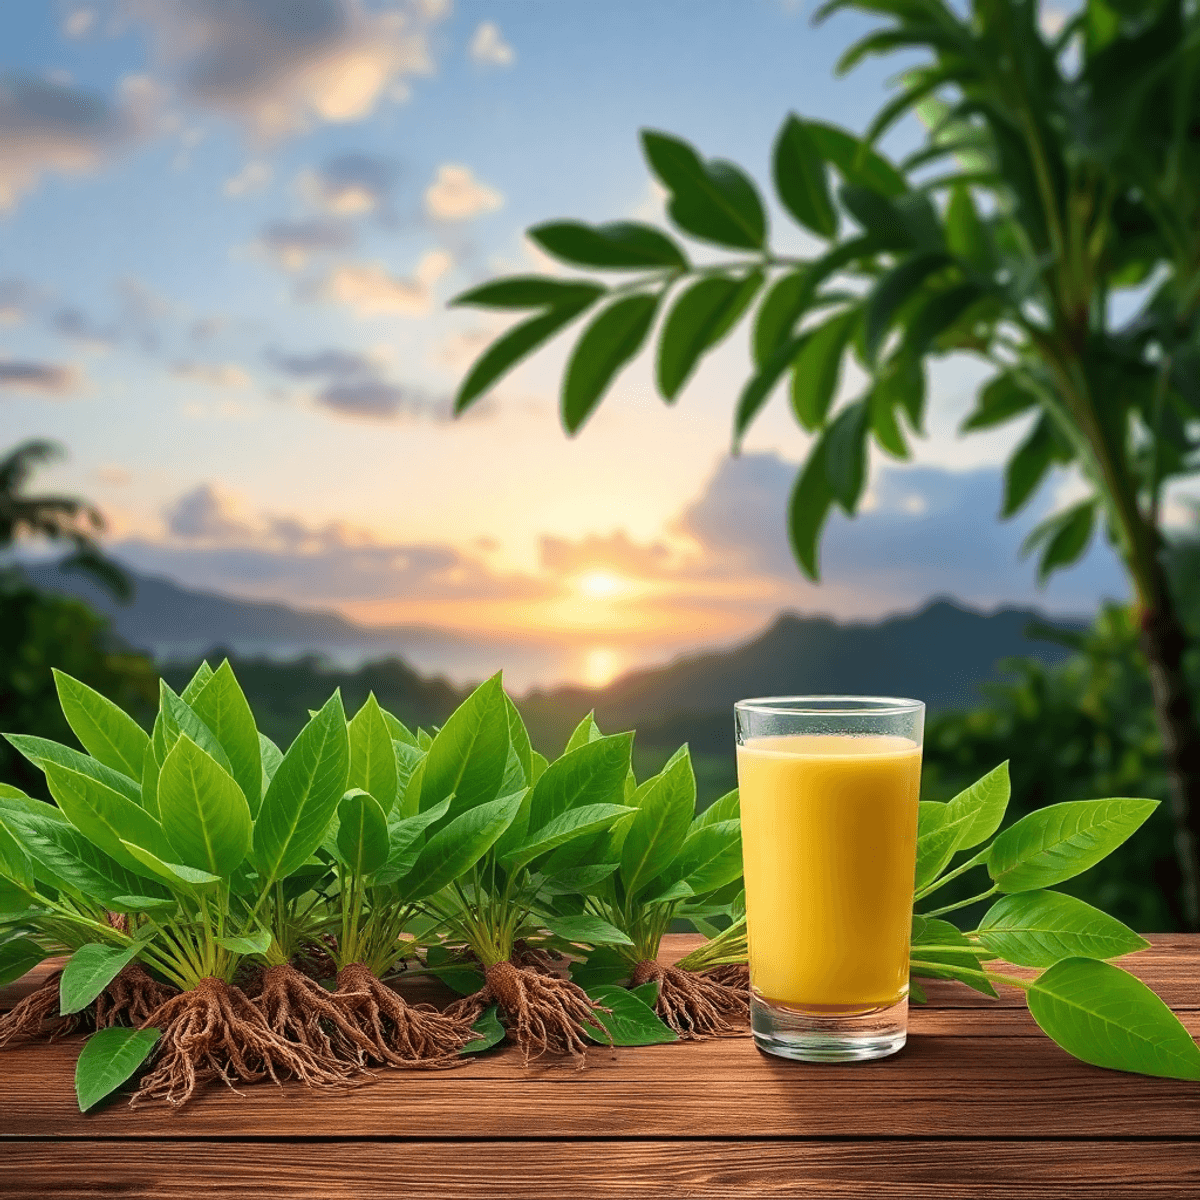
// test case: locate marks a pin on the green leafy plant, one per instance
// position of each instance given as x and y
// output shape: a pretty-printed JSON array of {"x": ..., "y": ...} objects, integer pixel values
[
  {"x": 1091, "y": 1008},
  {"x": 1055, "y": 172}
]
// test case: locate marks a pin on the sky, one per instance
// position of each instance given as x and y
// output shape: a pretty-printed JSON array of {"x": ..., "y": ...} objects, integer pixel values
[{"x": 229, "y": 230}]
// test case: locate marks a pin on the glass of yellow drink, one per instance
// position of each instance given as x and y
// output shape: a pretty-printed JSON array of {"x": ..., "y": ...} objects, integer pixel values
[{"x": 829, "y": 788}]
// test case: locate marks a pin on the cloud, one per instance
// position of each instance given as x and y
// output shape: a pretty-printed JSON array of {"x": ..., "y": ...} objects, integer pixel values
[
  {"x": 370, "y": 289},
  {"x": 456, "y": 195},
  {"x": 213, "y": 540},
  {"x": 333, "y": 364},
  {"x": 47, "y": 126},
  {"x": 616, "y": 551},
  {"x": 217, "y": 375},
  {"x": 18, "y": 299},
  {"x": 37, "y": 378},
  {"x": 350, "y": 185},
  {"x": 354, "y": 384},
  {"x": 79, "y": 22},
  {"x": 367, "y": 398},
  {"x": 253, "y": 177},
  {"x": 278, "y": 68},
  {"x": 78, "y": 326},
  {"x": 293, "y": 243},
  {"x": 489, "y": 47}
]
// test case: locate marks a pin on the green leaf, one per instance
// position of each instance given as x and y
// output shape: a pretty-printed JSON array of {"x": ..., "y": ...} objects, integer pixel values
[
  {"x": 458, "y": 846},
  {"x": 149, "y": 790},
  {"x": 304, "y": 793},
  {"x": 107, "y": 733},
  {"x": 222, "y": 706},
  {"x": 177, "y": 875},
  {"x": 784, "y": 304},
  {"x": 362, "y": 832},
  {"x": 578, "y": 881},
  {"x": 957, "y": 964},
  {"x": 817, "y": 369},
  {"x": 104, "y": 816},
  {"x": 593, "y": 773},
  {"x": 179, "y": 718},
  {"x": 469, "y": 756},
  {"x": 1029, "y": 465},
  {"x": 937, "y": 840},
  {"x": 710, "y": 858},
  {"x": 713, "y": 200},
  {"x": 204, "y": 813},
  {"x": 618, "y": 245},
  {"x": 529, "y": 291},
  {"x": 491, "y": 1032},
  {"x": 937, "y": 315},
  {"x": 1056, "y": 843},
  {"x": 41, "y": 751},
  {"x": 846, "y": 454},
  {"x": 879, "y": 216},
  {"x": 1065, "y": 536},
  {"x": 271, "y": 756},
  {"x": 505, "y": 352},
  {"x": 1038, "y": 929},
  {"x": 372, "y": 756},
  {"x": 800, "y": 178},
  {"x": 607, "y": 344},
  {"x": 518, "y": 746},
  {"x": 17, "y": 956},
  {"x": 586, "y": 731},
  {"x": 725, "y": 808},
  {"x": 657, "y": 832},
  {"x": 91, "y": 969},
  {"x": 983, "y": 804},
  {"x": 857, "y": 162},
  {"x": 966, "y": 235},
  {"x": 258, "y": 942},
  {"x": 196, "y": 684},
  {"x": 758, "y": 388},
  {"x": 893, "y": 291},
  {"x": 404, "y": 840},
  {"x": 574, "y": 823},
  {"x": 808, "y": 507},
  {"x": 691, "y": 328},
  {"x": 586, "y": 929},
  {"x": 1002, "y": 399},
  {"x": 108, "y": 1058},
  {"x": 603, "y": 965},
  {"x": 64, "y": 858},
  {"x": 630, "y": 1021},
  {"x": 1108, "y": 1018}
]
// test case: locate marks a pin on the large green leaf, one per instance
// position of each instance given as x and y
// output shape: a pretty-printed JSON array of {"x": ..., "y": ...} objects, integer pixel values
[
  {"x": 458, "y": 846},
  {"x": 593, "y": 773},
  {"x": 372, "y": 756},
  {"x": 107, "y": 733},
  {"x": 91, "y": 969},
  {"x": 710, "y": 858},
  {"x": 658, "y": 830},
  {"x": 893, "y": 291},
  {"x": 19, "y": 955},
  {"x": 966, "y": 234},
  {"x": 619, "y": 245},
  {"x": 222, "y": 706},
  {"x": 178, "y": 718},
  {"x": 574, "y": 823},
  {"x": 586, "y": 929},
  {"x": 937, "y": 839},
  {"x": 980, "y": 808},
  {"x": 1029, "y": 465},
  {"x": 178, "y": 876},
  {"x": 1056, "y": 843},
  {"x": 1004, "y": 398},
  {"x": 404, "y": 839},
  {"x": 200, "y": 677},
  {"x": 606, "y": 345},
  {"x": 817, "y": 368},
  {"x": 204, "y": 813},
  {"x": 64, "y": 858},
  {"x": 108, "y": 1058},
  {"x": 106, "y": 817},
  {"x": 857, "y": 162},
  {"x": 469, "y": 756},
  {"x": 529, "y": 291},
  {"x": 800, "y": 178},
  {"x": 725, "y": 808},
  {"x": 362, "y": 838},
  {"x": 1064, "y": 538},
  {"x": 629, "y": 1021},
  {"x": 784, "y": 304},
  {"x": 846, "y": 454},
  {"x": 712, "y": 200},
  {"x": 808, "y": 507},
  {"x": 692, "y": 327},
  {"x": 304, "y": 794},
  {"x": 1038, "y": 929},
  {"x": 41, "y": 751},
  {"x": 1108, "y": 1018},
  {"x": 941, "y": 951},
  {"x": 519, "y": 747}
]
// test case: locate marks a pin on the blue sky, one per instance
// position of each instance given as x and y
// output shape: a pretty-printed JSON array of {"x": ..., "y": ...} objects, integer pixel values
[{"x": 229, "y": 232}]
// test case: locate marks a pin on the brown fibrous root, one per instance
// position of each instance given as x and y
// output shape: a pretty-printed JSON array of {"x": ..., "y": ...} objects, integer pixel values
[
  {"x": 215, "y": 1032},
  {"x": 734, "y": 975},
  {"x": 378, "y": 1025},
  {"x": 131, "y": 998},
  {"x": 695, "y": 1006},
  {"x": 544, "y": 1014},
  {"x": 37, "y": 1015}
]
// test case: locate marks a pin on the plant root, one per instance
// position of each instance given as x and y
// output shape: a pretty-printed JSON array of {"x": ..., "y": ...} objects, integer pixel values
[
  {"x": 40, "y": 1008},
  {"x": 377, "y": 1024},
  {"x": 215, "y": 1032},
  {"x": 131, "y": 998},
  {"x": 535, "y": 958},
  {"x": 732, "y": 975},
  {"x": 694, "y": 1006},
  {"x": 543, "y": 1013}
]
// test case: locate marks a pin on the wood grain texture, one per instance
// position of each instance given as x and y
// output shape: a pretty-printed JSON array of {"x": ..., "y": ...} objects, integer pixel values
[{"x": 702, "y": 1170}]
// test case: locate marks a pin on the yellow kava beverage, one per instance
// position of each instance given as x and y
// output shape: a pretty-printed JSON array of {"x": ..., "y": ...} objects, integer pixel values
[{"x": 829, "y": 832}]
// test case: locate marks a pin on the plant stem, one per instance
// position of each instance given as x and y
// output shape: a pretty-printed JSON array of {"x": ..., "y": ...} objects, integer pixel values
[
  {"x": 941, "y": 881},
  {"x": 990, "y": 976},
  {"x": 937, "y": 912}
]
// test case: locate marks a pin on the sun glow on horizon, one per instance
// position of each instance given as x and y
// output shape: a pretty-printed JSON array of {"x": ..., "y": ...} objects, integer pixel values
[
  {"x": 601, "y": 665},
  {"x": 601, "y": 585}
]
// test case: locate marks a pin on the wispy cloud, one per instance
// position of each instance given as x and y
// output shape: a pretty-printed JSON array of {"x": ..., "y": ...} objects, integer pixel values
[
  {"x": 39, "y": 378},
  {"x": 253, "y": 177},
  {"x": 350, "y": 185},
  {"x": 456, "y": 195},
  {"x": 489, "y": 47},
  {"x": 372, "y": 290},
  {"x": 215, "y": 375},
  {"x": 293, "y": 243}
]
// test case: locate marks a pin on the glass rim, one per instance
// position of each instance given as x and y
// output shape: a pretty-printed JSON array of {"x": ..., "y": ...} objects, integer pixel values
[{"x": 829, "y": 706}]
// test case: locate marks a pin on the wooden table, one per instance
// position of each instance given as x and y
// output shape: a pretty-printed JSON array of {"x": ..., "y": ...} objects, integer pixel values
[{"x": 979, "y": 1104}]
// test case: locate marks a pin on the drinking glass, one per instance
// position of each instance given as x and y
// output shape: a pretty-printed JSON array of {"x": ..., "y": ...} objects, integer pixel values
[{"x": 829, "y": 788}]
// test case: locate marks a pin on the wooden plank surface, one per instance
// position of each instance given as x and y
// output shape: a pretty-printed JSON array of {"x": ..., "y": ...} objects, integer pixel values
[{"x": 701, "y": 1170}]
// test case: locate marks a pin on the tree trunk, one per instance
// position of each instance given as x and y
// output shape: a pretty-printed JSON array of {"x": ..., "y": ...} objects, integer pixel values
[{"x": 1164, "y": 643}]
